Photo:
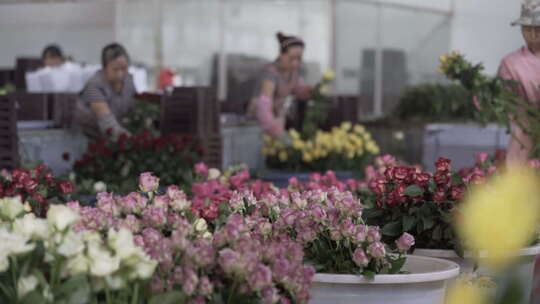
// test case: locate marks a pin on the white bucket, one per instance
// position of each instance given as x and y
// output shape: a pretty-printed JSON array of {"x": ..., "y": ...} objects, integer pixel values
[{"x": 425, "y": 283}]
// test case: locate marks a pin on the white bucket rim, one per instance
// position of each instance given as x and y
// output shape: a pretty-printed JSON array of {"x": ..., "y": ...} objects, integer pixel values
[
  {"x": 451, "y": 254},
  {"x": 448, "y": 270}
]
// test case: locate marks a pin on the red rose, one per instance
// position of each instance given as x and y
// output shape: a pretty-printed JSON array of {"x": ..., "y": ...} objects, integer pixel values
[
  {"x": 401, "y": 173},
  {"x": 66, "y": 187},
  {"x": 440, "y": 195},
  {"x": 19, "y": 175},
  {"x": 476, "y": 179},
  {"x": 378, "y": 186},
  {"x": 422, "y": 179},
  {"x": 441, "y": 178},
  {"x": 457, "y": 192},
  {"x": 210, "y": 213},
  {"x": 389, "y": 172},
  {"x": 38, "y": 197},
  {"x": 30, "y": 185},
  {"x": 399, "y": 194},
  {"x": 65, "y": 156},
  {"x": 443, "y": 164}
]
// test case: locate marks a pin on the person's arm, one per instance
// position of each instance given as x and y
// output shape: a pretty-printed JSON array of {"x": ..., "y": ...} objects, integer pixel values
[
  {"x": 302, "y": 91},
  {"x": 106, "y": 120},
  {"x": 272, "y": 125}
]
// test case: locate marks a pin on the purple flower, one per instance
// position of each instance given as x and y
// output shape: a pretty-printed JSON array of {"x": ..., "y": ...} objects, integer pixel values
[
  {"x": 377, "y": 250},
  {"x": 132, "y": 203},
  {"x": 360, "y": 257},
  {"x": 148, "y": 182},
  {"x": 205, "y": 286},
  {"x": 374, "y": 234},
  {"x": 347, "y": 228},
  {"x": 154, "y": 217},
  {"x": 190, "y": 281},
  {"x": 130, "y": 222},
  {"x": 237, "y": 201},
  {"x": 360, "y": 234},
  {"x": 298, "y": 201},
  {"x": 229, "y": 260},
  {"x": 270, "y": 295},
  {"x": 405, "y": 242},
  {"x": 318, "y": 213},
  {"x": 201, "y": 169},
  {"x": 151, "y": 237},
  {"x": 261, "y": 277},
  {"x": 105, "y": 202},
  {"x": 162, "y": 201}
]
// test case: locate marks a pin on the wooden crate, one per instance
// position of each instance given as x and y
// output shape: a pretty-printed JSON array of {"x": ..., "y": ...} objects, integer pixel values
[
  {"x": 63, "y": 105},
  {"x": 32, "y": 106},
  {"x": 8, "y": 134}
]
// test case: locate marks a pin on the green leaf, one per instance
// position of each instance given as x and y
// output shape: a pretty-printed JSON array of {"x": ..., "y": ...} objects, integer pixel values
[
  {"x": 428, "y": 222},
  {"x": 32, "y": 298},
  {"x": 392, "y": 229},
  {"x": 413, "y": 190},
  {"x": 408, "y": 222},
  {"x": 397, "y": 265},
  {"x": 370, "y": 275},
  {"x": 437, "y": 233}
]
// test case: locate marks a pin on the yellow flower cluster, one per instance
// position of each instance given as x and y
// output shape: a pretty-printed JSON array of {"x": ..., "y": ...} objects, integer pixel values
[
  {"x": 346, "y": 140},
  {"x": 447, "y": 60}
]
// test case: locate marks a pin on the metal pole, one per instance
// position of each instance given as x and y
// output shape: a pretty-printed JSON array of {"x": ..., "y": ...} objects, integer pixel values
[
  {"x": 222, "y": 58},
  {"x": 378, "y": 83}
]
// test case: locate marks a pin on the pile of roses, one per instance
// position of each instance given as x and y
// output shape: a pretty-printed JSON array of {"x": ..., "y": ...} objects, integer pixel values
[
  {"x": 258, "y": 248},
  {"x": 37, "y": 187}
]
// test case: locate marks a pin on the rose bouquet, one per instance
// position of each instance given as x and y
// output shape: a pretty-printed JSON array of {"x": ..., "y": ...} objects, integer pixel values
[
  {"x": 46, "y": 261},
  {"x": 406, "y": 199},
  {"x": 37, "y": 187},
  {"x": 343, "y": 148},
  {"x": 118, "y": 163},
  {"x": 240, "y": 261},
  {"x": 329, "y": 226}
]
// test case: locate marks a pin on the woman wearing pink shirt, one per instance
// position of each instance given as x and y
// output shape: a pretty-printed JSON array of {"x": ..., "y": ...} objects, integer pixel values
[
  {"x": 278, "y": 85},
  {"x": 523, "y": 67}
]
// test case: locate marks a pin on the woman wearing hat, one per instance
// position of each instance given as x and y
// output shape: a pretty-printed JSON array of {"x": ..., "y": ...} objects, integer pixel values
[
  {"x": 278, "y": 84},
  {"x": 523, "y": 67}
]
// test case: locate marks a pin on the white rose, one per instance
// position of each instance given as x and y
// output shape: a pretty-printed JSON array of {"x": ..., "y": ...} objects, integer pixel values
[
  {"x": 71, "y": 245},
  {"x": 200, "y": 225},
  {"x": 78, "y": 264},
  {"x": 61, "y": 217},
  {"x": 31, "y": 227},
  {"x": 207, "y": 235},
  {"x": 26, "y": 285},
  {"x": 145, "y": 269},
  {"x": 100, "y": 187},
  {"x": 115, "y": 282},
  {"x": 102, "y": 262},
  {"x": 213, "y": 173},
  {"x": 13, "y": 243},
  {"x": 122, "y": 242},
  {"x": 11, "y": 207}
]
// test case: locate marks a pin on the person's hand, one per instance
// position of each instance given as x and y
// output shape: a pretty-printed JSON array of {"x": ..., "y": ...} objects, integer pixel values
[{"x": 304, "y": 92}]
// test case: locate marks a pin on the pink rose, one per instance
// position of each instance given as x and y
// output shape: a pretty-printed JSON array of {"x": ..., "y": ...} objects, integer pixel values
[
  {"x": 347, "y": 228},
  {"x": 481, "y": 157},
  {"x": 377, "y": 250},
  {"x": 373, "y": 234},
  {"x": 405, "y": 242},
  {"x": 360, "y": 258},
  {"x": 201, "y": 169},
  {"x": 360, "y": 234},
  {"x": 371, "y": 173},
  {"x": 148, "y": 182},
  {"x": 229, "y": 260},
  {"x": 270, "y": 295},
  {"x": 205, "y": 286},
  {"x": 162, "y": 201},
  {"x": 154, "y": 217},
  {"x": 261, "y": 277},
  {"x": 457, "y": 192},
  {"x": 535, "y": 163}
]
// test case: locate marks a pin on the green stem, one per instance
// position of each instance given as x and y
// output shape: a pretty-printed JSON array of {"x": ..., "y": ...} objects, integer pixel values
[
  {"x": 107, "y": 294},
  {"x": 135, "y": 298},
  {"x": 231, "y": 293},
  {"x": 14, "y": 270}
]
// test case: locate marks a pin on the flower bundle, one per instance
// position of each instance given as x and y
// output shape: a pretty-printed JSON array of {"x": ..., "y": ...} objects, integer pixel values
[
  {"x": 118, "y": 163},
  {"x": 343, "y": 148},
  {"x": 38, "y": 187},
  {"x": 46, "y": 261}
]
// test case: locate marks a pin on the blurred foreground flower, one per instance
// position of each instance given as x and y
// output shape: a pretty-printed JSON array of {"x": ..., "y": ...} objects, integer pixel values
[
  {"x": 501, "y": 217},
  {"x": 465, "y": 293}
]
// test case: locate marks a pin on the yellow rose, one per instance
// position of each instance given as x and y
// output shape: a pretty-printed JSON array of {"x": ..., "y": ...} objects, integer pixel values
[
  {"x": 298, "y": 144},
  {"x": 267, "y": 139},
  {"x": 294, "y": 134},
  {"x": 443, "y": 58},
  {"x": 359, "y": 129},
  {"x": 283, "y": 156},
  {"x": 307, "y": 157},
  {"x": 329, "y": 75},
  {"x": 346, "y": 126}
]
